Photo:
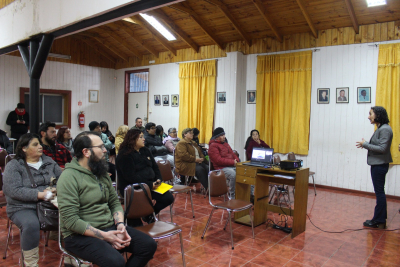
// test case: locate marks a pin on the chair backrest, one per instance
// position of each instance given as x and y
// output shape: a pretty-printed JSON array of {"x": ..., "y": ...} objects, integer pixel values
[
  {"x": 3, "y": 155},
  {"x": 236, "y": 153},
  {"x": 9, "y": 158},
  {"x": 165, "y": 169},
  {"x": 210, "y": 165},
  {"x": 140, "y": 206},
  {"x": 291, "y": 156},
  {"x": 217, "y": 183},
  {"x": 277, "y": 159}
]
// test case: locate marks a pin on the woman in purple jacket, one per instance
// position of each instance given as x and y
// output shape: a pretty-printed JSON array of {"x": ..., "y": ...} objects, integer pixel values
[{"x": 253, "y": 141}]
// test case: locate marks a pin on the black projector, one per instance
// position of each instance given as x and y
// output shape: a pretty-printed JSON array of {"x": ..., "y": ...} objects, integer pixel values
[{"x": 291, "y": 164}]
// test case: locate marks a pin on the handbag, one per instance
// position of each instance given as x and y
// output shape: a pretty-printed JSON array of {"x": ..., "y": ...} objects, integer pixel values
[{"x": 47, "y": 213}]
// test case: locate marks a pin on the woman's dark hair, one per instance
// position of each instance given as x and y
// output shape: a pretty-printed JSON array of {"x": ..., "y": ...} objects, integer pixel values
[
  {"x": 82, "y": 141},
  {"x": 250, "y": 138},
  {"x": 60, "y": 134},
  {"x": 104, "y": 124},
  {"x": 159, "y": 129},
  {"x": 381, "y": 115},
  {"x": 149, "y": 125},
  {"x": 130, "y": 139},
  {"x": 196, "y": 131},
  {"x": 24, "y": 141}
]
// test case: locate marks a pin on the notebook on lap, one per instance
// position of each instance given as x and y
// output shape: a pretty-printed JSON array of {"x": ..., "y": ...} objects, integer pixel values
[{"x": 261, "y": 157}]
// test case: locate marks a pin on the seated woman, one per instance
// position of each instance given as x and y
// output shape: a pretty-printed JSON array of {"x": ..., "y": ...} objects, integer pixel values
[
  {"x": 253, "y": 141},
  {"x": 136, "y": 164},
  {"x": 171, "y": 140},
  {"x": 189, "y": 160},
  {"x": 22, "y": 197},
  {"x": 64, "y": 138},
  {"x": 119, "y": 136},
  {"x": 160, "y": 132}
]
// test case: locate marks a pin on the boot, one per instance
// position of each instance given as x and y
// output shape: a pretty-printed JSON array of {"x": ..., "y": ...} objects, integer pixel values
[{"x": 31, "y": 257}]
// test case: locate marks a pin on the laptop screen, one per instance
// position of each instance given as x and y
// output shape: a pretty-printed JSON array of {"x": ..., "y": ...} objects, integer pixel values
[{"x": 262, "y": 155}]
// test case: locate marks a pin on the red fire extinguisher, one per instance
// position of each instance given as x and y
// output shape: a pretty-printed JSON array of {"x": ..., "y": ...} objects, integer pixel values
[{"x": 81, "y": 119}]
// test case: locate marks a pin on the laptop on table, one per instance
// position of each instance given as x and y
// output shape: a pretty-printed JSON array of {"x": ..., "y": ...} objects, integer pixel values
[{"x": 261, "y": 157}]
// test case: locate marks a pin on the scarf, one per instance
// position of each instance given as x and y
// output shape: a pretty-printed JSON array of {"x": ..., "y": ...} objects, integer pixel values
[{"x": 20, "y": 113}]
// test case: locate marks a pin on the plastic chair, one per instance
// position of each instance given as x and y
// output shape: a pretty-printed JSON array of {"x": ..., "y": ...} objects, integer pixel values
[
  {"x": 217, "y": 187},
  {"x": 78, "y": 260},
  {"x": 166, "y": 174},
  {"x": 291, "y": 156},
  {"x": 158, "y": 229}
]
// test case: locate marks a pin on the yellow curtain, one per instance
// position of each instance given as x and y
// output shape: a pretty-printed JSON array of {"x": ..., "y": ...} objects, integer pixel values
[
  {"x": 283, "y": 101},
  {"x": 388, "y": 90},
  {"x": 197, "y": 93}
]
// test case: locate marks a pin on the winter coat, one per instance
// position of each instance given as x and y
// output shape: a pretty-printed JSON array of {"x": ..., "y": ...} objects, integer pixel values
[
  {"x": 154, "y": 143},
  {"x": 5, "y": 142},
  {"x": 221, "y": 154},
  {"x": 170, "y": 143},
  {"x": 185, "y": 157},
  {"x": 118, "y": 141},
  {"x": 17, "y": 127}
]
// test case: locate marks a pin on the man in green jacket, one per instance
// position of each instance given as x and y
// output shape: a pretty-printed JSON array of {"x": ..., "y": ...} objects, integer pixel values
[{"x": 92, "y": 219}]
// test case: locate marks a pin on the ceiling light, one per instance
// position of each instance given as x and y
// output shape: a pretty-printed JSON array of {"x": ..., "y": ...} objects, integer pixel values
[
  {"x": 59, "y": 56},
  {"x": 372, "y": 3},
  {"x": 159, "y": 27}
]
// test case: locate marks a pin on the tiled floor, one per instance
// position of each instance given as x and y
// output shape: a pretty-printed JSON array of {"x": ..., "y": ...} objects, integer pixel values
[{"x": 330, "y": 210}]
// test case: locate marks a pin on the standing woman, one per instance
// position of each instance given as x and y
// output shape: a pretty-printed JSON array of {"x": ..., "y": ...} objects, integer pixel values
[
  {"x": 22, "y": 196},
  {"x": 378, "y": 158},
  {"x": 64, "y": 138},
  {"x": 253, "y": 141}
]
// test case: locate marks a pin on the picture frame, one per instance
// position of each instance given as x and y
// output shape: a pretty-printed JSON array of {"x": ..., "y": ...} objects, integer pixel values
[
  {"x": 165, "y": 100},
  {"x": 174, "y": 100},
  {"x": 251, "y": 97},
  {"x": 157, "y": 101},
  {"x": 342, "y": 95},
  {"x": 221, "y": 97},
  {"x": 323, "y": 95},
  {"x": 94, "y": 96},
  {"x": 363, "y": 95}
]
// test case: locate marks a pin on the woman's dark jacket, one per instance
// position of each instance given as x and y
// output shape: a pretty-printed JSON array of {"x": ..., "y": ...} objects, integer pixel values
[
  {"x": 136, "y": 167},
  {"x": 5, "y": 142}
]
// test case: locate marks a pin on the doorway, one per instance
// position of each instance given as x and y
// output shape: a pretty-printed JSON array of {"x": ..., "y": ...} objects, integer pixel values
[{"x": 136, "y": 96}]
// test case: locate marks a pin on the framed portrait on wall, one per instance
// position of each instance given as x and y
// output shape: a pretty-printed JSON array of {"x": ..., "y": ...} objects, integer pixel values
[
  {"x": 221, "y": 97},
  {"x": 157, "y": 101},
  {"x": 175, "y": 100},
  {"x": 323, "y": 95},
  {"x": 251, "y": 97},
  {"x": 94, "y": 96},
  {"x": 165, "y": 99},
  {"x": 363, "y": 95},
  {"x": 342, "y": 95}
]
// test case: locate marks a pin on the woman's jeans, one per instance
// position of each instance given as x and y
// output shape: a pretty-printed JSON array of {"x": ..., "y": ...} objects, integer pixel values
[
  {"x": 378, "y": 174},
  {"x": 27, "y": 220}
]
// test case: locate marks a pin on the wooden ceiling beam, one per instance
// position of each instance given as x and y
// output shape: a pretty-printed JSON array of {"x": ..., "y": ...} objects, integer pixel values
[
  {"x": 156, "y": 35},
  {"x": 307, "y": 17},
  {"x": 183, "y": 7},
  {"x": 86, "y": 40},
  {"x": 121, "y": 40},
  {"x": 99, "y": 39},
  {"x": 126, "y": 29},
  {"x": 173, "y": 27},
  {"x": 222, "y": 7},
  {"x": 352, "y": 15},
  {"x": 263, "y": 11}
]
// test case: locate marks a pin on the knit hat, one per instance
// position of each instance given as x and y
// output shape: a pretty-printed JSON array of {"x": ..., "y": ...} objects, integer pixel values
[
  {"x": 20, "y": 105},
  {"x": 93, "y": 125},
  {"x": 185, "y": 131},
  {"x": 218, "y": 132}
]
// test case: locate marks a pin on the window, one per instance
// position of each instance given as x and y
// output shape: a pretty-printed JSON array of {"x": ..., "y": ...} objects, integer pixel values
[
  {"x": 55, "y": 105},
  {"x": 139, "y": 82}
]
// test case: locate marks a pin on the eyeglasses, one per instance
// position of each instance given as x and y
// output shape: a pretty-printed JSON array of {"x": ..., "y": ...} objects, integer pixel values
[
  {"x": 152, "y": 128},
  {"x": 102, "y": 147}
]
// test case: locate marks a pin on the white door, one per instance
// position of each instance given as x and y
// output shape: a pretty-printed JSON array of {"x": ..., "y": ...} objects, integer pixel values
[{"x": 137, "y": 107}]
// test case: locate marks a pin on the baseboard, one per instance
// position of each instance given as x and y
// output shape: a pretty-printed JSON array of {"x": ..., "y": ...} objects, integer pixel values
[{"x": 345, "y": 190}]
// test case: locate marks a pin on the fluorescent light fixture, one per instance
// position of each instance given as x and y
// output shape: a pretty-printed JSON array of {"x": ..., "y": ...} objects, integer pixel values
[
  {"x": 59, "y": 56},
  {"x": 159, "y": 27},
  {"x": 372, "y": 3}
]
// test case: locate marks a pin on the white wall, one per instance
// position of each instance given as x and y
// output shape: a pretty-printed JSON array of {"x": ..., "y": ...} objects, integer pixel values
[{"x": 61, "y": 76}]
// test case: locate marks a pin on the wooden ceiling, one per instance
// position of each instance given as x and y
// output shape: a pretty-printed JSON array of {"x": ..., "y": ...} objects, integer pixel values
[{"x": 200, "y": 23}]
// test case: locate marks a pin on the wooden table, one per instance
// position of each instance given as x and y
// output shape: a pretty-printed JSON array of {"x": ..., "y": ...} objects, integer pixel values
[{"x": 261, "y": 178}]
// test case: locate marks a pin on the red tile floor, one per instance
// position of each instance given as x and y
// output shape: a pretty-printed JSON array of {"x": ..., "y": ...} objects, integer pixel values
[{"x": 330, "y": 210}]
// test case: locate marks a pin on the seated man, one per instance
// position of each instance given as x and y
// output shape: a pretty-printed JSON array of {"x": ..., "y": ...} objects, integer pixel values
[
  {"x": 154, "y": 143},
  {"x": 92, "y": 219},
  {"x": 138, "y": 124},
  {"x": 223, "y": 158},
  {"x": 58, "y": 152},
  {"x": 171, "y": 140}
]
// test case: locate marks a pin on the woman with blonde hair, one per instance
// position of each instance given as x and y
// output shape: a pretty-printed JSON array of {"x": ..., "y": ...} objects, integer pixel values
[{"x": 120, "y": 136}]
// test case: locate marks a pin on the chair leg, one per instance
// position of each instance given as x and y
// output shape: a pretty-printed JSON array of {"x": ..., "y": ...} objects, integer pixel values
[
  {"x": 191, "y": 202},
  {"x": 9, "y": 223},
  {"x": 230, "y": 226},
  {"x": 227, "y": 220},
  {"x": 22, "y": 254},
  {"x": 182, "y": 251},
  {"x": 47, "y": 238},
  {"x": 208, "y": 222},
  {"x": 61, "y": 260},
  {"x": 315, "y": 190},
  {"x": 251, "y": 212},
  {"x": 205, "y": 195}
]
